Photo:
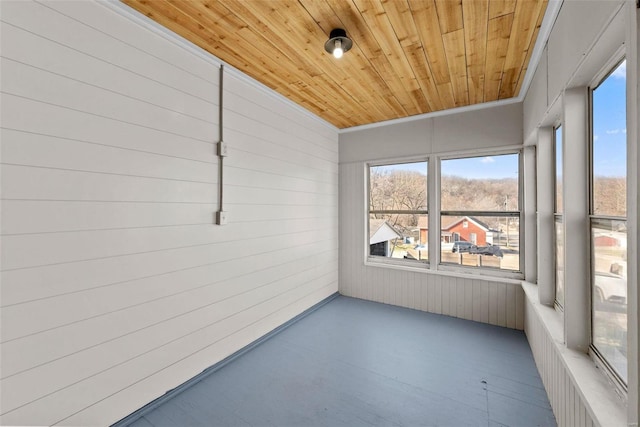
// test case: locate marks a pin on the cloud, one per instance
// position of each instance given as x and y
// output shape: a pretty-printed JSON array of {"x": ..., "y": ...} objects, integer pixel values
[
  {"x": 621, "y": 71},
  {"x": 487, "y": 160},
  {"x": 595, "y": 137},
  {"x": 615, "y": 131}
]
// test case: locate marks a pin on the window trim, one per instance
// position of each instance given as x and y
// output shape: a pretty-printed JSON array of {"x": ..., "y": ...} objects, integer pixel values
[
  {"x": 607, "y": 369},
  {"x": 433, "y": 264},
  {"x": 557, "y": 215},
  {"x": 484, "y": 271},
  {"x": 386, "y": 261}
]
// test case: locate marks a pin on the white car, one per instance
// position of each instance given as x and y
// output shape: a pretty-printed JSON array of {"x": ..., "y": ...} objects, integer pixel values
[{"x": 610, "y": 287}]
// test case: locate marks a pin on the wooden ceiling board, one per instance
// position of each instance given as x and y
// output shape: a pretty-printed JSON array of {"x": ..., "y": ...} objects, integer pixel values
[
  {"x": 497, "y": 43},
  {"x": 409, "y": 57},
  {"x": 475, "y": 41},
  {"x": 456, "y": 58},
  {"x": 501, "y": 7},
  {"x": 427, "y": 24},
  {"x": 518, "y": 44},
  {"x": 378, "y": 22},
  {"x": 449, "y": 15},
  {"x": 403, "y": 22}
]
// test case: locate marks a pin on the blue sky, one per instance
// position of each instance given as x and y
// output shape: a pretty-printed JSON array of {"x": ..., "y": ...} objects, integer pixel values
[
  {"x": 485, "y": 167},
  {"x": 416, "y": 166},
  {"x": 492, "y": 167},
  {"x": 609, "y": 125}
]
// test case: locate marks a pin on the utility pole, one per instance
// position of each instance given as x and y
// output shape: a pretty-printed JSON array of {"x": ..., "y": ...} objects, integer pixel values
[{"x": 506, "y": 203}]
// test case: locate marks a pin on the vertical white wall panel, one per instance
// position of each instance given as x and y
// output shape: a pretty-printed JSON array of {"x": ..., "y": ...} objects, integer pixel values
[
  {"x": 480, "y": 129},
  {"x": 116, "y": 284},
  {"x": 574, "y": 32},
  {"x": 536, "y": 102}
]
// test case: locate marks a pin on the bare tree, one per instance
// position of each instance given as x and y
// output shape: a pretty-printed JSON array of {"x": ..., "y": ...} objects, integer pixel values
[{"x": 398, "y": 190}]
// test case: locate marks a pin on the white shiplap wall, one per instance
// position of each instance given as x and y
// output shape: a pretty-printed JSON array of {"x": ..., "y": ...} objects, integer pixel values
[
  {"x": 476, "y": 297},
  {"x": 116, "y": 285},
  {"x": 567, "y": 402}
]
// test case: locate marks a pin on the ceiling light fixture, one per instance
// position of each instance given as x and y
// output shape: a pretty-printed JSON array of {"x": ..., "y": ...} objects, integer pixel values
[{"x": 338, "y": 42}]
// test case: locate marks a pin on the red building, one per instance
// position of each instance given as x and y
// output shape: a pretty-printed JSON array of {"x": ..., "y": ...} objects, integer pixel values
[{"x": 466, "y": 229}]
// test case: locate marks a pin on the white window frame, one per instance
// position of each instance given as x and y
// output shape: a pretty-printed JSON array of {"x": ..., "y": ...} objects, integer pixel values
[
  {"x": 485, "y": 271},
  {"x": 596, "y": 356},
  {"x": 557, "y": 216},
  {"x": 387, "y": 261}
]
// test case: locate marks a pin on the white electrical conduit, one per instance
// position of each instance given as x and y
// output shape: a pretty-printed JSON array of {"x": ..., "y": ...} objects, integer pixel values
[{"x": 221, "y": 215}]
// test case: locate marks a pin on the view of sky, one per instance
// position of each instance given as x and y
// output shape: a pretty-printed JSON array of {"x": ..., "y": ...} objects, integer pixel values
[
  {"x": 485, "y": 167},
  {"x": 609, "y": 125},
  {"x": 492, "y": 167},
  {"x": 415, "y": 166}
]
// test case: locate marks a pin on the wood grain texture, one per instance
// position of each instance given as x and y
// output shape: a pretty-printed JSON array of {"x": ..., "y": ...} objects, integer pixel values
[{"x": 409, "y": 56}]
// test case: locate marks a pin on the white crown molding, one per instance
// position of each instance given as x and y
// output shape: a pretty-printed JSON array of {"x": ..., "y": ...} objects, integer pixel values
[
  {"x": 149, "y": 24},
  {"x": 431, "y": 115}
]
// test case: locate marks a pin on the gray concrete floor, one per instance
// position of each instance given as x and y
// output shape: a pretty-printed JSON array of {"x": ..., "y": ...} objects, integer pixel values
[{"x": 359, "y": 363}]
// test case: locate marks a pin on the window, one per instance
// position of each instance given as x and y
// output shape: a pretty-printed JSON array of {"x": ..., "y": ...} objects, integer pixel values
[
  {"x": 558, "y": 210},
  {"x": 398, "y": 216},
  {"x": 480, "y": 212},
  {"x": 609, "y": 221}
]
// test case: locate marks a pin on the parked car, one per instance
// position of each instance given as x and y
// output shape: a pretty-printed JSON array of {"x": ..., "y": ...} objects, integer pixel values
[
  {"x": 492, "y": 250},
  {"x": 461, "y": 246},
  {"x": 610, "y": 287}
]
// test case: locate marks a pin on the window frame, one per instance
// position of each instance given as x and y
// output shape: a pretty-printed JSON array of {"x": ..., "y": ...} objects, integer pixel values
[
  {"x": 558, "y": 217},
  {"x": 376, "y": 259},
  {"x": 480, "y": 270},
  {"x": 596, "y": 355}
]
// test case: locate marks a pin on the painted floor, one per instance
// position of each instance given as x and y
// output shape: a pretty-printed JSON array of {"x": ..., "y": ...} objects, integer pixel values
[{"x": 360, "y": 363}]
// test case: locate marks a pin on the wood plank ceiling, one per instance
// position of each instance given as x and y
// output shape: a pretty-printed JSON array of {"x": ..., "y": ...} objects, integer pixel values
[{"x": 409, "y": 56}]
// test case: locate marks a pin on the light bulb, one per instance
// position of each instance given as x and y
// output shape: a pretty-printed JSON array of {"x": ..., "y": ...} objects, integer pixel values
[{"x": 337, "y": 50}]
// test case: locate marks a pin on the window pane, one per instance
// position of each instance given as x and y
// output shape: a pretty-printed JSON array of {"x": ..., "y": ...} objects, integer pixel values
[
  {"x": 558, "y": 150},
  {"x": 402, "y": 236},
  {"x": 487, "y": 183},
  {"x": 497, "y": 241},
  {"x": 610, "y": 145},
  {"x": 559, "y": 261},
  {"x": 609, "y": 297},
  {"x": 400, "y": 186}
]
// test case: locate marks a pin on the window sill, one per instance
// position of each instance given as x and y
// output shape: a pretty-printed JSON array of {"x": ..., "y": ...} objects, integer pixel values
[
  {"x": 597, "y": 394},
  {"x": 449, "y": 272},
  {"x": 397, "y": 263}
]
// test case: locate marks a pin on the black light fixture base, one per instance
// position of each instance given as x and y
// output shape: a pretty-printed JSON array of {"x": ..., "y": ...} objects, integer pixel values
[{"x": 338, "y": 34}]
